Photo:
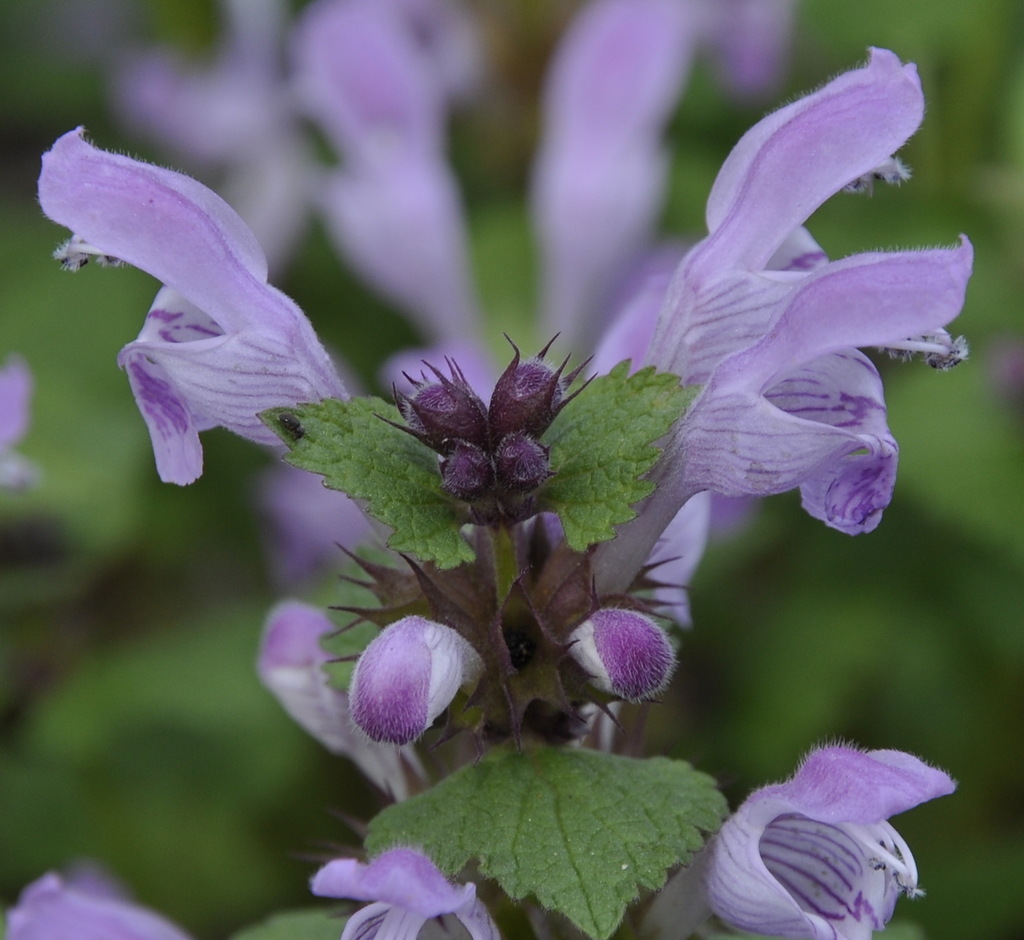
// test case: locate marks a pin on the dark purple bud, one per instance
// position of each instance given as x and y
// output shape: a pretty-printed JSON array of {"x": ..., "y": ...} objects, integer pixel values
[
  {"x": 467, "y": 473},
  {"x": 444, "y": 412},
  {"x": 527, "y": 397},
  {"x": 520, "y": 463}
]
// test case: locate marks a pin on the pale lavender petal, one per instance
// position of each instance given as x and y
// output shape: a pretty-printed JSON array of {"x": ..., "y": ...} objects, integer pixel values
[
  {"x": 399, "y": 224},
  {"x": 290, "y": 666},
  {"x": 165, "y": 223},
  {"x": 363, "y": 78},
  {"x": 15, "y": 393},
  {"x": 308, "y": 523},
  {"x": 789, "y": 163},
  {"x": 752, "y": 38},
  {"x": 474, "y": 362},
  {"x": 631, "y": 328},
  {"x": 799, "y": 252},
  {"x": 407, "y": 676},
  {"x": 600, "y": 172},
  {"x": 871, "y": 299},
  {"x": 403, "y": 878},
  {"x": 842, "y": 784},
  {"x": 48, "y": 909},
  {"x": 678, "y": 553}
]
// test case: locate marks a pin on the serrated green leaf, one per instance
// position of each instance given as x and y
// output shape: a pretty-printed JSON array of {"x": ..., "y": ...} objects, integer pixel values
[
  {"x": 603, "y": 443},
  {"x": 311, "y": 924},
  {"x": 348, "y": 444},
  {"x": 581, "y": 831}
]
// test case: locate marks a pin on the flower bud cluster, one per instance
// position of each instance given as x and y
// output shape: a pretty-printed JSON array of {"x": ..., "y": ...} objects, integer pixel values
[{"x": 491, "y": 456}]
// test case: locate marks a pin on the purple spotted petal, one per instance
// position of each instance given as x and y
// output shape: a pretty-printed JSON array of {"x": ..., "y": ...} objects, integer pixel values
[
  {"x": 50, "y": 909},
  {"x": 815, "y": 857},
  {"x": 600, "y": 172}
]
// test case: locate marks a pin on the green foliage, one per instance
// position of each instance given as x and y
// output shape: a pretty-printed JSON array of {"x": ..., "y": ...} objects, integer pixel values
[
  {"x": 357, "y": 452},
  {"x": 601, "y": 445},
  {"x": 582, "y": 831},
  {"x": 313, "y": 924}
]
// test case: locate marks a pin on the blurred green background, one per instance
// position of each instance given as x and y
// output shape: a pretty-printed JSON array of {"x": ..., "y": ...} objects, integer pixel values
[{"x": 133, "y": 730}]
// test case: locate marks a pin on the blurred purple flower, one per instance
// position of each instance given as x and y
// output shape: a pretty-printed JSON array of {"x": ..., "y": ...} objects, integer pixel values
[
  {"x": 52, "y": 908},
  {"x": 15, "y": 391},
  {"x": 290, "y": 665},
  {"x": 759, "y": 317},
  {"x": 232, "y": 117},
  {"x": 600, "y": 173},
  {"x": 815, "y": 857},
  {"x": 393, "y": 207},
  {"x": 407, "y": 890},
  {"x": 219, "y": 344}
]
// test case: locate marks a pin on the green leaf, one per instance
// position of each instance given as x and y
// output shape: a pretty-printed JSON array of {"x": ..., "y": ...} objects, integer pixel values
[
  {"x": 356, "y": 452},
  {"x": 582, "y": 831},
  {"x": 311, "y": 924},
  {"x": 601, "y": 445}
]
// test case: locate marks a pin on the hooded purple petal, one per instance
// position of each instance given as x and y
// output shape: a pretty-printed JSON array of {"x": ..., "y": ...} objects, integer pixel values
[
  {"x": 790, "y": 162},
  {"x": 50, "y": 909}
]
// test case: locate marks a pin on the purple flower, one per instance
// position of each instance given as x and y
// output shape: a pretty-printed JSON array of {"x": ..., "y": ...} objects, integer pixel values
[
  {"x": 407, "y": 890},
  {"x": 219, "y": 344},
  {"x": 758, "y": 315},
  {"x": 815, "y": 857},
  {"x": 788, "y": 400},
  {"x": 290, "y": 665},
  {"x": 15, "y": 391},
  {"x": 625, "y": 653},
  {"x": 407, "y": 676},
  {"x": 53, "y": 909}
]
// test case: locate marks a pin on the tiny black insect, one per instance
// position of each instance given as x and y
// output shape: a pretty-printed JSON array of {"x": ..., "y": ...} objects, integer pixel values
[{"x": 291, "y": 424}]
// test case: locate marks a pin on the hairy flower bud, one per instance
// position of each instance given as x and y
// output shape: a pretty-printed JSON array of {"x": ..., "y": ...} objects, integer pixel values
[
  {"x": 467, "y": 473},
  {"x": 625, "y": 653},
  {"x": 445, "y": 412},
  {"x": 407, "y": 676},
  {"x": 521, "y": 463},
  {"x": 526, "y": 397}
]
